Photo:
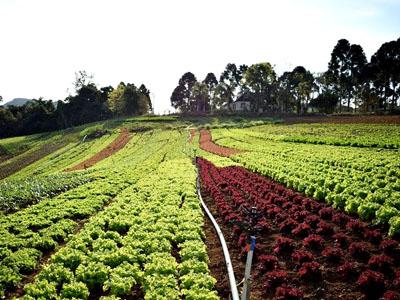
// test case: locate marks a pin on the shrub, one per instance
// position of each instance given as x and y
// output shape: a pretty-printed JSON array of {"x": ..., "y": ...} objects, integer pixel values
[
  {"x": 310, "y": 271},
  {"x": 371, "y": 283}
]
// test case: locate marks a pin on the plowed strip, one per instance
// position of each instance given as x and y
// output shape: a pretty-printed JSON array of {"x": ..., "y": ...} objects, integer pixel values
[
  {"x": 116, "y": 145},
  {"x": 208, "y": 145},
  {"x": 14, "y": 166},
  {"x": 192, "y": 134}
]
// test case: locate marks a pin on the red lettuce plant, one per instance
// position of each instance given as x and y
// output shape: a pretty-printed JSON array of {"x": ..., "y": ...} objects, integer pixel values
[
  {"x": 391, "y": 295},
  {"x": 302, "y": 230},
  {"x": 374, "y": 236},
  {"x": 390, "y": 247},
  {"x": 381, "y": 263},
  {"x": 288, "y": 225},
  {"x": 275, "y": 278},
  {"x": 288, "y": 293},
  {"x": 283, "y": 245},
  {"x": 326, "y": 213},
  {"x": 267, "y": 262},
  {"x": 301, "y": 256},
  {"x": 310, "y": 271},
  {"x": 340, "y": 219},
  {"x": 324, "y": 228},
  {"x": 359, "y": 250},
  {"x": 347, "y": 270},
  {"x": 341, "y": 238},
  {"x": 355, "y": 226},
  {"x": 371, "y": 283},
  {"x": 313, "y": 242},
  {"x": 332, "y": 254},
  {"x": 312, "y": 220}
]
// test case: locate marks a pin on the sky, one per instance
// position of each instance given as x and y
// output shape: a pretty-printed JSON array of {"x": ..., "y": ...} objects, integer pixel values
[{"x": 44, "y": 42}]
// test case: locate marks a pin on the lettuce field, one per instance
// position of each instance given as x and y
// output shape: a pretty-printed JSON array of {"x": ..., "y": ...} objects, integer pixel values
[{"x": 111, "y": 211}]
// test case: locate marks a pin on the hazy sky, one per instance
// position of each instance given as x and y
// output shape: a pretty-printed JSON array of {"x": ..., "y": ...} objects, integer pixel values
[{"x": 154, "y": 42}]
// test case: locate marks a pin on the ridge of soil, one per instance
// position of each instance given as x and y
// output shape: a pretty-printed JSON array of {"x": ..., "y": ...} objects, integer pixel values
[
  {"x": 208, "y": 145},
  {"x": 120, "y": 141}
]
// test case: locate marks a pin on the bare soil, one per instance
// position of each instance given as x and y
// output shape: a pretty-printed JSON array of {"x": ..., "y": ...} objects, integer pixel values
[
  {"x": 208, "y": 145},
  {"x": 116, "y": 145}
]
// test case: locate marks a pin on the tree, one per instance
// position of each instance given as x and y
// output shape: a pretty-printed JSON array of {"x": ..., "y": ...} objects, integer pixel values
[
  {"x": 344, "y": 70},
  {"x": 182, "y": 94},
  {"x": 261, "y": 79},
  {"x": 231, "y": 79},
  {"x": 301, "y": 84},
  {"x": 221, "y": 97},
  {"x": 200, "y": 97},
  {"x": 146, "y": 94},
  {"x": 82, "y": 78},
  {"x": 325, "y": 102},
  {"x": 211, "y": 82},
  {"x": 385, "y": 73}
]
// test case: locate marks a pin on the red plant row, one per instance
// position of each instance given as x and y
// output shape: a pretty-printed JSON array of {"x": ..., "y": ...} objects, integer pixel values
[
  {"x": 303, "y": 246},
  {"x": 208, "y": 145}
]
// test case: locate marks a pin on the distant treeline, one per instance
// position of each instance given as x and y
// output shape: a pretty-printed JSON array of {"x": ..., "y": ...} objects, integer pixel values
[
  {"x": 89, "y": 104},
  {"x": 351, "y": 84}
]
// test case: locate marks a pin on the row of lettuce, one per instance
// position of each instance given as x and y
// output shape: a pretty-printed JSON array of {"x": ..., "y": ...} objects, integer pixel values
[
  {"x": 354, "y": 135},
  {"x": 363, "y": 181},
  {"x": 134, "y": 230}
]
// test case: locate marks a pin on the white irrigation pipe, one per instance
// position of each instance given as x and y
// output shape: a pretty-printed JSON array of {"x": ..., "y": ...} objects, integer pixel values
[{"x": 228, "y": 262}]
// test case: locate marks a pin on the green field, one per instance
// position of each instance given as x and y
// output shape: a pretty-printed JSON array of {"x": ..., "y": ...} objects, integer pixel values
[{"x": 133, "y": 221}]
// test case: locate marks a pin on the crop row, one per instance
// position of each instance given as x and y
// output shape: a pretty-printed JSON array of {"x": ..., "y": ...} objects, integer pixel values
[
  {"x": 355, "y": 135},
  {"x": 147, "y": 243},
  {"x": 16, "y": 194},
  {"x": 303, "y": 246},
  {"x": 358, "y": 180}
]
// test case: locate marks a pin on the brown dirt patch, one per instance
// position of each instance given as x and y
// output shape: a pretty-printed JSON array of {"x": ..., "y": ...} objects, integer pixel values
[
  {"x": 116, "y": 145},
  {"x": 395, "y": 119},
  {"x": 192, "y": 135},
  {"x": 18, "y": 164},
  {"x": 208, "y": 145}
]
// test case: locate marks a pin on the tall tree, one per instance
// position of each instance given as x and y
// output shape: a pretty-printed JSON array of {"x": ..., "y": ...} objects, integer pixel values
[
  {"x": 261, "y": 79},
  {"x": 301, "y": 84},
  {"x": 182, "y": 94},
  {"x": 231, "y": 78},
  {"x": 344, "y": 70},
  {"x": 211, "y": 82},
  {"x": 200, "y": 101},
  {"x": 145, "y": 92},
  {"x": 385, "y": 73}
]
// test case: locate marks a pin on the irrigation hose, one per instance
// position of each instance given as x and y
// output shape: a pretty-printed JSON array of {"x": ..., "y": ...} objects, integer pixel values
[{"x": 228, "y": 262}]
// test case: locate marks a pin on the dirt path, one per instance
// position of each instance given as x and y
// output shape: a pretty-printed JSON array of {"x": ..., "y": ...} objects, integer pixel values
[
  {"x": 116, "y": 145},
  {"x": 208, "y": 145}
]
